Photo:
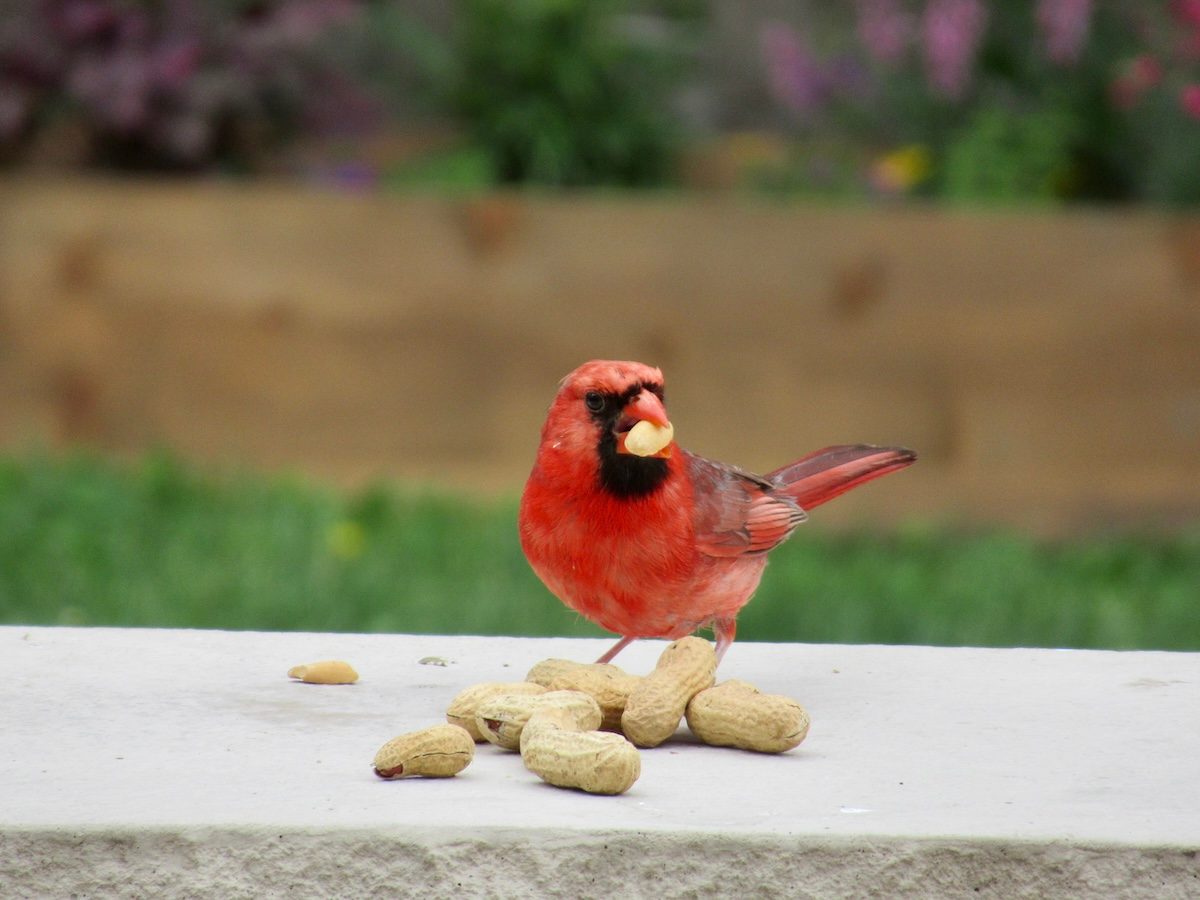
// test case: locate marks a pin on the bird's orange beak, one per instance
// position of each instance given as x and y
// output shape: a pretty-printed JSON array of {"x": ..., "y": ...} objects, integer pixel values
[{"x": 645, "y": 407}]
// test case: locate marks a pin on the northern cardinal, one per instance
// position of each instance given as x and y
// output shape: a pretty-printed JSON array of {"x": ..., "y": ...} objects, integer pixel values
[{"x": 646, "y": 539}]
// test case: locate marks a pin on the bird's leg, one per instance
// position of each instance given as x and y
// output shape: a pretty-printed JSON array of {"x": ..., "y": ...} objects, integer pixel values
[
  {"x": 615, "y": 649},
  {"x": 724, "y": 631}
]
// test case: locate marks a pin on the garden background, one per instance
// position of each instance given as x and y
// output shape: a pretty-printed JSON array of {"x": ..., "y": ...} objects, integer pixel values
[{"x": 286, "y": 287}]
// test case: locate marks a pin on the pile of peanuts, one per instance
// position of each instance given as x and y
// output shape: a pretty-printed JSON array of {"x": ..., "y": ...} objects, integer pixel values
[{"x": 579, "y": 726}]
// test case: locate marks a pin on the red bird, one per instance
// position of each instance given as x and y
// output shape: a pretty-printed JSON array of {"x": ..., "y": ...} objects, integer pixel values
[{"x": 646, "y": 539}]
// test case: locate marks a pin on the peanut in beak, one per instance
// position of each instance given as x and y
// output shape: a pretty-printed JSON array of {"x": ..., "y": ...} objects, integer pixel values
[{"x": 647, "y": 439}]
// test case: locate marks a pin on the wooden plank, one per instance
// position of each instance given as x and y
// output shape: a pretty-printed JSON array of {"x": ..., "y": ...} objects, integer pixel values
[{"x": 1045, "y": 365}]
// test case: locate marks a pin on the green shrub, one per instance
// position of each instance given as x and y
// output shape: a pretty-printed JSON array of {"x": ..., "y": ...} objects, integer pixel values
[{"x": 565, "y": 92}]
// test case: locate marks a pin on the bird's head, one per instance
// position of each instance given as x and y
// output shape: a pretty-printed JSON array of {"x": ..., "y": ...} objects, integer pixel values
[{"x": 614, "y": 412}]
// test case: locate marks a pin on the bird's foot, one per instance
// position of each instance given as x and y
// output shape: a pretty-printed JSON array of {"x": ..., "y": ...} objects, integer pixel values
[
  {"x": 724, "y": 631},
  {"x": 615, "y": 649}
]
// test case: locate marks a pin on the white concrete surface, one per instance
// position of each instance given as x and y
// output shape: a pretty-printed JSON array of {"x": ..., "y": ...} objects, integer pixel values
[{"x": 149, "y": 763}]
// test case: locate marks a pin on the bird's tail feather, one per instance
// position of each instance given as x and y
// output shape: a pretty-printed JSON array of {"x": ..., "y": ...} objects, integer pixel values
[{"x": 823, "y": 475}]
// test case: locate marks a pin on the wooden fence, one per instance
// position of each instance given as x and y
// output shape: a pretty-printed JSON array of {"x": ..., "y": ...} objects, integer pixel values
[{"x": 1045, "y": 365}]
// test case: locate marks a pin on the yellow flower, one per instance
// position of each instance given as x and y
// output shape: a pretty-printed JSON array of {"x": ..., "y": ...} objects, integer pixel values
[{"x": 901, "y": 170}]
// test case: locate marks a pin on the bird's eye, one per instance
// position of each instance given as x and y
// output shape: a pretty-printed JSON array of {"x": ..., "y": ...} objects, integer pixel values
[{"x": 594, "y": 401}]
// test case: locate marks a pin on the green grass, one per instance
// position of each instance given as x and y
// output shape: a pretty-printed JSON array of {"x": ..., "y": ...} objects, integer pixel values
[{"x": 161, "y": 544}]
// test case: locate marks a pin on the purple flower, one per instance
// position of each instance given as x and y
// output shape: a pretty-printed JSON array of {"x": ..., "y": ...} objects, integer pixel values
[
  {"x": 797, "y": 78},
  {"x": 178, "y": 81},
  {"x": 80, "y": 20},
  {"x": 885, "y": 29},
  {"x": 116, "y": 88},
  {"x": 951, "y": 30},
  {"x": 176, "y": 62},
  {"x": 845, "y": 76},
  {"x": 1064, "y": 25}
]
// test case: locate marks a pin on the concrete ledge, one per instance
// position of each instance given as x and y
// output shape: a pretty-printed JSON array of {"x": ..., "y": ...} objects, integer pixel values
[{"x": 174, "y": 763}]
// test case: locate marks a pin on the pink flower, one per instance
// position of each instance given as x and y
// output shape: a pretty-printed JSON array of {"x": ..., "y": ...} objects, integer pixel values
[
  {"x": 1189, "y": 100},
  {"x": 1147, "y": 71},
  {"x": 1141, "y": 74},
  {"x": 1064, "y": 25},
  {"x": 174, "y": 64},
  {"x": 796, "y": 76},
  {"x": 885, "y": 29},
  {"x": 951, "y": 30},
  {"x": 1187, "y": 12}
]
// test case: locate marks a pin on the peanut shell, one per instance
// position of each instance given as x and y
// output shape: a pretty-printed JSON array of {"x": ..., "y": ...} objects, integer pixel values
[
  {"x": 737, "y": 714},
  {"x": 609, "y": 685},
  {"x": 501, "y": 719},
  {"x": 437, "y": 752},
  {"x": 597, "y": 762},
  {"x": 466, "y": 703},
  {"x": 656, "y": 705},
  {"x": 547, "y": 670}
]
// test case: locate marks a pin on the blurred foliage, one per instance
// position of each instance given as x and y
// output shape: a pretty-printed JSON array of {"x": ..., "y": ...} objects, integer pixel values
[
  {"x": 181, "y": 85},
  {"x": 558, "y": 92},
  {"x": 1012, "y": 99},
  {"x": 966, "y": 100},
  {"x": 83, "y": 542},
  {"x": 1001, "y": 154},
  {"x": 565, "y": 93}
]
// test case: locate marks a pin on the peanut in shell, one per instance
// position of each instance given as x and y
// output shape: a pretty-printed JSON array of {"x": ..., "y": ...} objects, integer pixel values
[
  {"x": 598, "y": 762},
  {"x": 437, "y": 752},
  {"x": 656, "y": 705},
  {"x": 737, "y": 714},
  {"x": 466, "y": 703},
  {"x": 609, "y": 685},
  {"x": 501, "y": 719}
]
